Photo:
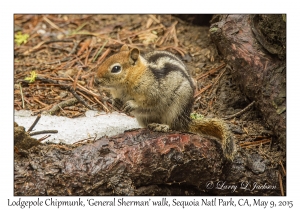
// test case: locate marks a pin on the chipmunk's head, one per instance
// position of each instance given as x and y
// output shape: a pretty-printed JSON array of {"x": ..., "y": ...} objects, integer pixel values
[{"x": 119, "y": 69}]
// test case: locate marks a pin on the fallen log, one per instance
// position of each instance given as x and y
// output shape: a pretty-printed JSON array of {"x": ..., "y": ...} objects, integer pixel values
[
  {"x": 141, "y": 162},
  {"x": 254, "y": 46}
]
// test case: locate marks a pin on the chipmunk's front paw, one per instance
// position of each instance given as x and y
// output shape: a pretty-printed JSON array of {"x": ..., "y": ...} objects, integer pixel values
[
  {"x": 117, "y": 103},
  {"x": 158, "y": 127},
  {"x": 129, "y": 106}
]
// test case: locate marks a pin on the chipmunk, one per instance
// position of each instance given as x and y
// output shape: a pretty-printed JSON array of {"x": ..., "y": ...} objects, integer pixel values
[{"x": 158, "y": 90}]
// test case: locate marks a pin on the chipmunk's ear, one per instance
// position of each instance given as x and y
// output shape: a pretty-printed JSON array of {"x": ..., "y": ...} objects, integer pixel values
[
  {"x": 124, "y": 48},
  {"x": 134, "y": 55}
]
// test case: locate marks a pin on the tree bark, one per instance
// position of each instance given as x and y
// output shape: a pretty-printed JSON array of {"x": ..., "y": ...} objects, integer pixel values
[
  {"x": 141, "y": 162},
  {"x": 254, "y": 46}
]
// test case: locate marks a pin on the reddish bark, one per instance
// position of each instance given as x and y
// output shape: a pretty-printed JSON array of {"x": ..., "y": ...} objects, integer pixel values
[
  {"x": 138, "y": 162},
  {"x": 254, "y": 46}
]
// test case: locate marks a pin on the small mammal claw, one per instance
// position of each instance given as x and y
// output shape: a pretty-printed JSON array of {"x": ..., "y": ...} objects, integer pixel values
[
  {"x": 117, "y": 103},
  {"x": 158, "y": 127},
  {"x": 129, "y": 106}
]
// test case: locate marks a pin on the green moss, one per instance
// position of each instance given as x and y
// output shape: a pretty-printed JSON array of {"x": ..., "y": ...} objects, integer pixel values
[
  {"x": 21, "y": 38},
  {"x": 196, "y": 116},
  {"x": 32, "y": 77},
  {"x": 213, "y": 30}
]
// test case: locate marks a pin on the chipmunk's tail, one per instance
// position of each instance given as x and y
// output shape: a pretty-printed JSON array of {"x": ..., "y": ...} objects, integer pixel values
[{"x": 217, "y": 128}]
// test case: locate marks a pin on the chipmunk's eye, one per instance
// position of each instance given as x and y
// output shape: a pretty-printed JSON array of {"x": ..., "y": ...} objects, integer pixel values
[{"x": 116, "y": 68}]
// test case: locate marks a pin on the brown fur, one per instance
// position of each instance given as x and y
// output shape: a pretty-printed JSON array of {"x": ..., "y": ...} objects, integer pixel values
[{"x": 158, "y": 90}]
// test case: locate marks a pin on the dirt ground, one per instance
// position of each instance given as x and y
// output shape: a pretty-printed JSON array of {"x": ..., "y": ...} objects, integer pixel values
[{"x": 65, "y": 50}]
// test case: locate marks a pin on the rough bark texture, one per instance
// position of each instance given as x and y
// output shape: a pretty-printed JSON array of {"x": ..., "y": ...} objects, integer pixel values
[
  {"x": 254, "y": 46},
  {"x": 141, "y": 162}
]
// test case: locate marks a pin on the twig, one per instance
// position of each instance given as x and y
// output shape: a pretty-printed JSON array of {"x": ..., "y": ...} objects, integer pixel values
[
  {"x": 80, "y": 99},
  {"x": 22, "y": 97},
  {"x": 240, "y": 112},
  {"x": 34, "y": 123},
  {"x": 168, "y": 33},
  {"x": 86, "y": 97},
  {"x": 42, "y": 84},
  {"x": 98, "y": 53},
  {"x": 255, "y": 143},
  {"x": 60, "y": 78},
  {"x": 83, "y": 88},
  {"x": 149, "y": 22},
  {"x": 88, "y": 55},
  {"x": 28, "y": 102},
  {"x": 84, "y": 46},
  {"x": 91, "y": 83},
  {"x": 115, "y": 46},
  {"x": 129, "y": 40},
  {"x": 76, "y": 115},
  {"x": 59, "y": 61},
  {"x": 106, "y": 109},
  {"x": 43, "y": 132},
  {"x": 103, "y": 56},
  {"x": 57, "y": 40},
  {"x": 76, "y": 78},
  {"x": 280, "y": 184},
  {"x": 80, "y": 27},
  {"x": 139, "y": 32},
  {"x": 217, "y": 80},
  {"x": 53, "y": 24},
  {"x": 85, "y": 76},
  {"x": 35, "y": 99},
  {"x": 79, "y": 61},
  {"x": 40, "y": 110},
  {"x": 246, "y": 130},
  {"x": 62, "y": 104},
  {"x": 44, "y": 79},
  {"x": 181, "y": 51},
  {"x": 69, "y": 88},
  {"x": 59, "y": 48},
  {"x": 282, "y": 168},
  {"x": 156, "y": 20},
  {"x": 271, "y": 143},
  {"x": 39, "y": 45},
  {"x": 62, "y": 60},
  {"x": 61, "y": 109},
  {"x": 43, "y": 138},
  {"x": 74, "y": 48},
  {"x": 202, "y": 90},
  {"x": 212, "y": 71},
  {"x": 175, "y": 37},
  {"x": 82, "y": 140}
]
